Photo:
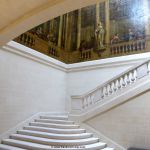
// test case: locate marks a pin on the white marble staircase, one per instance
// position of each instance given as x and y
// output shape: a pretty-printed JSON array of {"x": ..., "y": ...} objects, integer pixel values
[{"x": 52, "y": 133}]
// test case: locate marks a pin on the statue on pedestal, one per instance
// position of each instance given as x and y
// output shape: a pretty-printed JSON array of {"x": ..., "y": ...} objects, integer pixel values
[{"x": 99, "y": 34}]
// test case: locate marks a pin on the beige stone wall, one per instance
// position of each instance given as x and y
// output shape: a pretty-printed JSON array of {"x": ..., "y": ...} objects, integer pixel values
[{"x": 127, "y": 124}]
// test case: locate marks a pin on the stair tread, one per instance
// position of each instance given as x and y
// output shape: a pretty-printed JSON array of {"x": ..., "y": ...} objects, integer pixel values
[
  {"x": 108, "y": 148},
  {"x": 54, "y": 141},
  {"x": 33, "y": 146},
  {"x": 54, "y": 120},
  {"x": 54, "y": 117},
  {"x": 54, "y": 130},
  {"x": 54, "y": 135},
  {"x": 7, "y": 147},
  {"x": 53, "y": 125}
]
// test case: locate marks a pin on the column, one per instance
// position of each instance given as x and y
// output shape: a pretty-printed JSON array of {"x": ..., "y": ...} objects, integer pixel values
[
  {"x": 60, "y": 31},
  {"x": 66, "y": 31},
  {"x": 97, "y": 14},
  {"x": 52, "y": 25},
  {"x": 146, "y": 17},
  {"x": 70, "y": 19},
  {"x": 79, "y": 29},
  {"x": 107, "y": 22},
  {"x": 45, "y": 26}
]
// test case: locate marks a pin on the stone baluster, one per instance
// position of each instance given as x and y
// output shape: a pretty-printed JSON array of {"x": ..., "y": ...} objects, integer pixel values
[
  {"x": 122, "y": 83},
  {"x": 101, "y": 93},
  {"x": 104, "y": 92},
  {"x": 116, "y": 85},
  {"x": 84, "y": 103},
  {"x": 89, "y": 100},
  {"x": 134, "y": 76},
  {"x": 122, "y": 48},
  {"x": 119, "y": 84},
  {"x": 125, "y": 79},
  {"x": 130, "y": 45},
  {"x": 137, "y": 45},
  {"x": 113, "y": 87},
  {"x": 130, "y": 77},
  {"x": 108, "y": 89},
  {"x": 26, "y": 38},
  {"x": 92, "y": 98},
  {"x": 142, "y": 45},
  {"x": 23, "y": 38}
]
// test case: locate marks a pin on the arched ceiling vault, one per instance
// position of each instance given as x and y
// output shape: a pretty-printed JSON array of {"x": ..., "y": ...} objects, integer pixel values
[{"x": 18, "y": 16}]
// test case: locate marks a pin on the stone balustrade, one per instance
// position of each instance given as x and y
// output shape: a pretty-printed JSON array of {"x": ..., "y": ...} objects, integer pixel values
[
  {"x": 107, "y": 89},
  {"x": 32, "y": 40},
  {"x": 86, "y": 54},
  {"x": 53, "y": 50},
  {"x": 27, "y": 39},
  {"x": 128, "y": 47}
]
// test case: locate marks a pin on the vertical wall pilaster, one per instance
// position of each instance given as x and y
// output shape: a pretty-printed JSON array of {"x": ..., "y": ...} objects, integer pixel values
[
  {"x": 52, "y": 25},
  {"x": 60, "y": 31},
  {"x": 107, "y": 22},
  {"x": 146, "y": 17},
  {"x": 79, "y": 29},
  {"x": 97, "y": 14},
  {"x": 66, "y": 31}
]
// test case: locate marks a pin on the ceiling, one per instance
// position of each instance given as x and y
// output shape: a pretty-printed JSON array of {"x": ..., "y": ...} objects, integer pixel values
[{"x": 18, "y": 16}]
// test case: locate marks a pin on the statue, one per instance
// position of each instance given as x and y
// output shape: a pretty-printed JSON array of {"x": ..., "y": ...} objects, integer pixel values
[{"x": 99, "y": 34}]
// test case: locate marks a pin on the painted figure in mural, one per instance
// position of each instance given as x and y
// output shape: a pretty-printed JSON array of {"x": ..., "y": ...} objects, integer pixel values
[
  {"x": 131, "y": 34},
  {"x": 99, "y": 34},
  {"x": 115, "y": 39}
]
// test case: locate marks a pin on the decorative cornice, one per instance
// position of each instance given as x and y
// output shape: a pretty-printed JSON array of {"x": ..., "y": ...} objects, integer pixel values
[
  {"x": 29, "y": 53},
  {"x": 109, "y": 62}
]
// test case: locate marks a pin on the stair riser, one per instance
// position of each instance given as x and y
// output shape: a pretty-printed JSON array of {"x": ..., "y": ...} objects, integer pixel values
[
  {"x": 58, "y": 118},
  {"x": 56, "y": 137},
  {"x": 29, "y": 147},
  {"x": 54, "y": 121},
  {"x": 56, "y": 131},
  {"x": 54, "y": 126},
  {"x": 7, "y": 147},
  {"x": 26, "y": 147},
  {"x": 54, "y": 143}
]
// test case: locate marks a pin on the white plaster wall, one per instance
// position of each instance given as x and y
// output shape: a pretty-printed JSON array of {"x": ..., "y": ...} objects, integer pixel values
[
  {"x": 28, "y": 87},
  {"x": 127, "y": 124},
  {"x": 80, "y": 82},
  {"x": 31, "y": 82},
  {"x": 85, "y": 76}
]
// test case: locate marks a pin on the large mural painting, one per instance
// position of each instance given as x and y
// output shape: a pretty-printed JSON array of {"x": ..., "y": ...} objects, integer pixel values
[{"x": 107, "y": 29}]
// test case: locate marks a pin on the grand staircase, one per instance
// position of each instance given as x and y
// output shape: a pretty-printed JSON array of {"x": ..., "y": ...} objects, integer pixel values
[{"x": 52, "y": 132}]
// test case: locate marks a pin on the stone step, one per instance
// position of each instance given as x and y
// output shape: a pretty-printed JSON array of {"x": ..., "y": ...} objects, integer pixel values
[
  {"x": 108, "y": 148},
  {"x": 52, "y": 125},
  {"x": 7, "y": 147},
  {"x": 54, "y": 121},
  {"x": 34, "y": 146},
  {"x": 54, "y": 135},
  {"x": 46, "y": 141},
  {"x": 55, "y": 130},
  {"x": 54, "y": 117}
]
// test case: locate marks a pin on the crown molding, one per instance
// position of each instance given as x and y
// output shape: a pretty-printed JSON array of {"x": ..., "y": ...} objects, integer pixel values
[{"x": 31, "y": 54}]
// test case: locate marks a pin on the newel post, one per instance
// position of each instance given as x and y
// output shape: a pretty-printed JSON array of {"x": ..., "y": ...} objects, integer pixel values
[{"x": 76, "y": 103}]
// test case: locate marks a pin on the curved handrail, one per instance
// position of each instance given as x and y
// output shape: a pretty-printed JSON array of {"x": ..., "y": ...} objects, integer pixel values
[{"x": 111, "y": 86}]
